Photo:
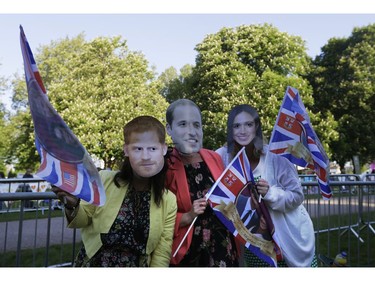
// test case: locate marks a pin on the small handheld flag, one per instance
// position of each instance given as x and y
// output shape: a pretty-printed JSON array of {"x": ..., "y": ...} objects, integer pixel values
[{"x": 239, "y": 207}]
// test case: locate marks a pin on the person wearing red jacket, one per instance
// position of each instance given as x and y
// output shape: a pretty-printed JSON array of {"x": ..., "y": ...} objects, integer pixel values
[{"x": 192, "y": 170}]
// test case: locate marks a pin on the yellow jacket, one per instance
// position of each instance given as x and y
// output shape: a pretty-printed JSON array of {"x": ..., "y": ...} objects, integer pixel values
[{"x": 94, "y": 220}]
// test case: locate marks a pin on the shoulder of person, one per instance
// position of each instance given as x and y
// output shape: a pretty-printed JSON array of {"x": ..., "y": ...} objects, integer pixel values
[
  {"x": 212, "y": 158},
  {"x": 173, "y": 160},
  {"x": 107, "y": 175},
  {"x": 173, "y": 154},
  {"x": 222, "y": 150},
  {"x": 169, "y": 195},
  {"x": 205, "y": 152}
]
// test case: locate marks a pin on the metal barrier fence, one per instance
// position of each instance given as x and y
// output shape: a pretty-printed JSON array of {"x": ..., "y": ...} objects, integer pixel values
[
  {"x": 33, "y": 229},
  {"x": 346, "y": 221}
]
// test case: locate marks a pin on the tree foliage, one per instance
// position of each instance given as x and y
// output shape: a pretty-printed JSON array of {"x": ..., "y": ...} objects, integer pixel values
[
  {"x": 4, "y": 140},
  {"x": 97, "y": 87},
  {"x": 249, "y": 64},
  {"x": 343, "y": 79},
  {"x": 176, "y": 86},
  {"x": 19, "y": 148}
]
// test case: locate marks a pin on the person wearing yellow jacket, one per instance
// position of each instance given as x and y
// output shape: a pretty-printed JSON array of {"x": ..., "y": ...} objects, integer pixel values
[{"x": 134, "y": 228}]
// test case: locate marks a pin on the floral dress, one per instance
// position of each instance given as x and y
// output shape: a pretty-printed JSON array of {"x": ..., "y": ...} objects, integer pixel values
[
  {"x": 125, "y": 243},
  {"x": 212, "y": 243}
]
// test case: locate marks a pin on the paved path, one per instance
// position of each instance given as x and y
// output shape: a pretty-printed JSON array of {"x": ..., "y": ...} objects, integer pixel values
[{"x": 34, "y": 234}]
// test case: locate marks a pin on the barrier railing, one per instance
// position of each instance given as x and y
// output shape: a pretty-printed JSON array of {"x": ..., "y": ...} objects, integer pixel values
[
  {"x": 30, "y": 221},
  {"x": 346, "y": 222}
]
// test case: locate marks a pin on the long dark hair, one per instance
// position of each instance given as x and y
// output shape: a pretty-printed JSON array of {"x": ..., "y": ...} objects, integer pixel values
[
  {"x": 255, "y": 147},
  {"x": 139, "y": 125}
]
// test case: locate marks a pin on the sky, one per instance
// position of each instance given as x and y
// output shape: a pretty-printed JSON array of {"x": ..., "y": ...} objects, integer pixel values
[{"x": 168, "y": 36}]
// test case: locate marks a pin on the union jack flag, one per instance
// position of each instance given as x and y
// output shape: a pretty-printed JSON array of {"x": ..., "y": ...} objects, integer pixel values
[
  {"x": 65, "y": 163},
  {"x": 236, "y": 203},
  {"x": 294, "y": 138}
]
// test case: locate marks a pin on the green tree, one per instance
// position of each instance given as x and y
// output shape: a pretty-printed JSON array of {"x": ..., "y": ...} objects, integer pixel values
[
  {"x": 97, "y": 87},
  {"x": 250, "y": 64},
  {"x": 21, "y": 148},
  {"x": 176, "y": 86},
  {"x": 3, "y": 122},
  {"x": 344, "y": 85}
]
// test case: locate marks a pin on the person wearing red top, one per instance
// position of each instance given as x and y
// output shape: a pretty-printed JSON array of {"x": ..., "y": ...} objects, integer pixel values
[{"x": 192, "y": 170}]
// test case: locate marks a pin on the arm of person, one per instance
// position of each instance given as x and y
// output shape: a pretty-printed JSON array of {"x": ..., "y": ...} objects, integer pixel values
[
  {"x": 162, "y": 253},
  {"x": 77, "y": 213},
  {"x": 197, "y": 209},
  {"x": 285, "y": 190}
]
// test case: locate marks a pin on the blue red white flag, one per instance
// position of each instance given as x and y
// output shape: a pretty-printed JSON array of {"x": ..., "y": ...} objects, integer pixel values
[
  {"x": 65, "y": 163},
  {"x": 236, "y": 203},
  {"x": 294, "y": 138}
]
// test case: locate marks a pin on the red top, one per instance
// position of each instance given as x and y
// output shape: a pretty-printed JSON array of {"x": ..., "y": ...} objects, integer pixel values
[{"x": 176, "y": 182}]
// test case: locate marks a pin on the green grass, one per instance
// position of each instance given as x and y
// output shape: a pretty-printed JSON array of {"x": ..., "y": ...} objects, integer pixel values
[
  {"x": 57, "y": 255},
  {"x": 333, "y": 221},
  {"x": 15, "y": 216},
  {"x": 360, "y": 254}
]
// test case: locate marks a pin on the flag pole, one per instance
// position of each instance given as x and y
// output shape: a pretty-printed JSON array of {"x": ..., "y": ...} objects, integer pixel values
[
  {"x": 186, "y": 234},
  {"x": 206, "y": 197}
]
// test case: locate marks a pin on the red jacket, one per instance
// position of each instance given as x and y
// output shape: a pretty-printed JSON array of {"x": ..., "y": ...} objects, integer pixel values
[{"x": 176, "y": 181}]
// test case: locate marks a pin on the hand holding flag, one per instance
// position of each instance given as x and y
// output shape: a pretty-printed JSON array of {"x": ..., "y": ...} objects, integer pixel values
[{"x": 236, "y": 202}]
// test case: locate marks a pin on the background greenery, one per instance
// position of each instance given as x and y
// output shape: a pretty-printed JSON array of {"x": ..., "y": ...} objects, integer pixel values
[{"x": 99, "y": 85}]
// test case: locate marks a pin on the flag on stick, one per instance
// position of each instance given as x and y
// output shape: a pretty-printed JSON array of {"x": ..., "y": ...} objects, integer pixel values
[
  {"x": 236, "y": 202},
  {"x": 65, "y": 163},
  {"x": 294, "y": 138}
]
